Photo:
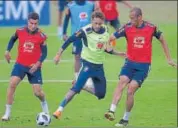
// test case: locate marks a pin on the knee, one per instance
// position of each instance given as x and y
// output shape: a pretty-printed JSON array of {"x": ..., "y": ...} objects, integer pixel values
[
  {"x": 12, "y": 86},
  {"x": 100, "y": 95},
  {"x": 130, "y": 92},
  {"x": 38, "y": 93},
  {"x": 77, "y": 57},
  {"x": 132, "y": 88},
  {"x": 123, "y": 81}
]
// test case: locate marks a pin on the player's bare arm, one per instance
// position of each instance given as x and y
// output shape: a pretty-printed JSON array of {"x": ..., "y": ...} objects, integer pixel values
[
  {"x": 58, "y": 56},
  {"x": 7, "y": 56},
  {"x": 97, "y": 6},
  {"x": 112, "y": 51},
  {"x": 166, "y": 51},
  {"x": 112, "y": 38},
  {"x": 127, "y": 3}
]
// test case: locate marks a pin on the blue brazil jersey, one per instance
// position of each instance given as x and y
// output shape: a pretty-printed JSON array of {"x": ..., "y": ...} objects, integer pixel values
[{"x": 80, "y": 15}]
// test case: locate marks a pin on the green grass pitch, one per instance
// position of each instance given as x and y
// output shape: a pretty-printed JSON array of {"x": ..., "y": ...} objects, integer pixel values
[{"x": 155, "y": 102}]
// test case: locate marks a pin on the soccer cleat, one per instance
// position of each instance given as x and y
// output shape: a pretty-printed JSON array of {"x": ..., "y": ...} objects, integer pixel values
[
  {"x": 109, "y": 115},
  {"x": 57, "y": 114},
  {"x": 122, "y": 123},
  {"x": 5, "y": 118}
]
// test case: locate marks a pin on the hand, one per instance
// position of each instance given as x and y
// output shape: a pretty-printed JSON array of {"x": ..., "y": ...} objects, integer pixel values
[
  {"x": 122, "y": 54},
  {"x": 172, "y": 63},
  {"x": 35, "y": 67},
  {"x": 65, "y": 37},
  {"x": 57, "y": 58},
  {"x": 7, "y": 56}
]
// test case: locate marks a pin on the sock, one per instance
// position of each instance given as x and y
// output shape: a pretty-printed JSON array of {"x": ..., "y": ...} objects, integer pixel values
[
  {"x": 8, "y": 110},
  {"x": 66, "y": 100},
  {"x": 60, "y": 108},
  {"x": 126, "y": 115},
  {"x": 76, "y": 75},
  {"x": 62, "y": 105},
  {"x": 89, "y": 86},
  {"x": 113, "y": 107},
  {"x": 89, "y": 82},
  {"x": 60, "y": 30},
  {"x": 44, "y": 106}
]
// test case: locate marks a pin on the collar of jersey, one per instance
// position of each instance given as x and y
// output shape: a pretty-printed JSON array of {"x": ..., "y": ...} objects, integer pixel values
[
  {"x": 101, "y": 31},
  {"x": 142, "y": 25},
  {"x": 34, "y": 32}
]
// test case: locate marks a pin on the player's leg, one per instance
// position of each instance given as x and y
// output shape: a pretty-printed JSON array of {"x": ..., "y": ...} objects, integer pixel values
[
  {"x": 96, "y": 78},
  {"x": 17, "y": 75},
  {"x": 124, "y": 79},
  {"x": 81, "y": 80},
  {"x": 115, "y": 24},
  {"x": 137, "y": 80},
  {"x": 132, "y": 88},
  {"x": 99, "y": 81},
  {"x": 61, "y": 7},
  {"x": 76, "y": 65},
  {"x": 76, "y": 50},
  {"x": 36, "y": 80}
]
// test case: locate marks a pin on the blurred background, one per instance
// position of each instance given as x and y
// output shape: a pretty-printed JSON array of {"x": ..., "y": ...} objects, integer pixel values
[{"x": 156, "y": 101}]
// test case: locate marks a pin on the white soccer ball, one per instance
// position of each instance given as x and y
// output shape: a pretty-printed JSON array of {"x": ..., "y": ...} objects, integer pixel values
[{"x": 43, "y": 119}]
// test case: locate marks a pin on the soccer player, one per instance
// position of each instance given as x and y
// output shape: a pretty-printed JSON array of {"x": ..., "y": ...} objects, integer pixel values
[
  {"x": 110, "y": 10},
  {"x": 79, "y": 11},
  {"x": 95, "y": 37},
  {"x": 139, "y": 34},
  {"x": 32, "y": 51}
]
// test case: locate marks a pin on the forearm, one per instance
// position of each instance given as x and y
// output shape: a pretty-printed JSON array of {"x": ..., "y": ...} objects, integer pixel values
[
  {"x": 127, "y": 4},
  {"x": 11, "y": 43},
  {"x": 66, "y": 22},
  {"x": 69, "y": 41},
  {"x": 44, "y": 53},
  {"x": 165, "y": 48},
  {"x": 117, "y": 53},
  {"x": 121, "y": 54},
  {"x": 97, "y": 7}
]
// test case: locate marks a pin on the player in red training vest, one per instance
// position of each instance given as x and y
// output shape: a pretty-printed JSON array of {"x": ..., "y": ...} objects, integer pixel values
[
  {"x": 138, "y": 34},
  {"x": 110, "y": 10},
  {"x": 32, "y": 51}
]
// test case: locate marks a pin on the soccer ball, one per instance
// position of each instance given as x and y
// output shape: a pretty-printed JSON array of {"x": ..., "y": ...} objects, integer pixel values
[{"x": 43, "y": 119}]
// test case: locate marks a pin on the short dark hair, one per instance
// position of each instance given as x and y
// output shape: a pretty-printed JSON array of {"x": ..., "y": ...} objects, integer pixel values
[
  {"x": 33, "y": 15},
  {"x": 137, "y": 10},
  {"x": 98, "y": 14}
]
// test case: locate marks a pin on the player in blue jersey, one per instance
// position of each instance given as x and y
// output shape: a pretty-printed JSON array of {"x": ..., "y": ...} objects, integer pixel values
[{"x": 79, "y": 11}]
